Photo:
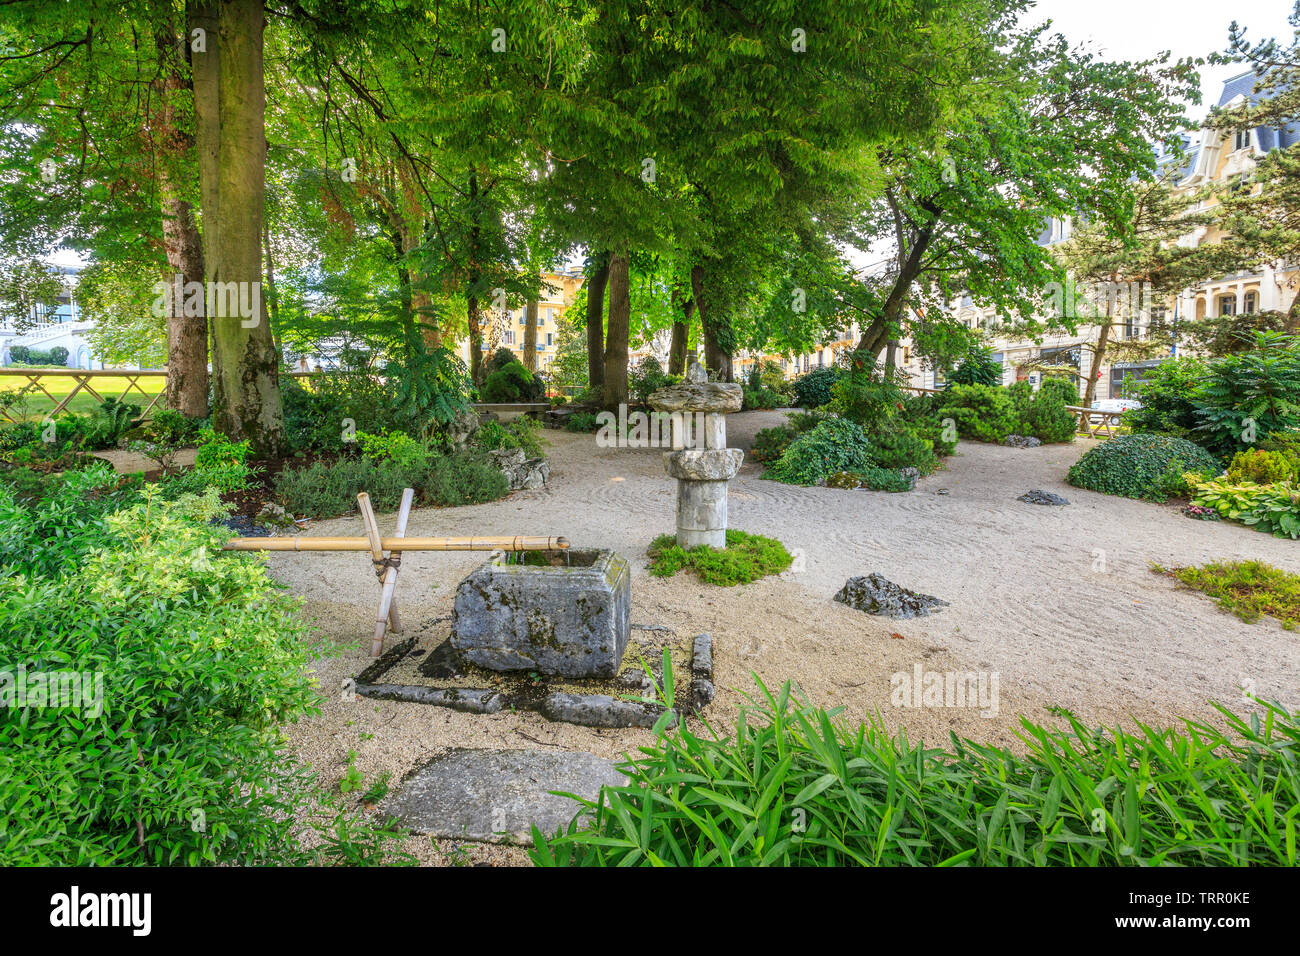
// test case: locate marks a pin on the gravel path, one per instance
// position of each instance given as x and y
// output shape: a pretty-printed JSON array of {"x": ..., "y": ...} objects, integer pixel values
[{"x": 1059, "y": 602}]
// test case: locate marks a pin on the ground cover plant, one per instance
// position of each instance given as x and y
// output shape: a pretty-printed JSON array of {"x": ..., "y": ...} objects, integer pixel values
[
  {"x": 1247, "y": 589},
  {"x": 833, "y": 445},
  {"x": 746, "y": 558},
  {"x": 1273, "y": 508},
  {"x": 796, "y": 785},
  {"x": 1145, "y": 466}
]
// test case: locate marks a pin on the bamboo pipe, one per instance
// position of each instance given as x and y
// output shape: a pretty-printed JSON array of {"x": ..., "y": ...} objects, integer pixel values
[
  {"x": 502, "y": 542},
  {"x": 376, "y": 549}
]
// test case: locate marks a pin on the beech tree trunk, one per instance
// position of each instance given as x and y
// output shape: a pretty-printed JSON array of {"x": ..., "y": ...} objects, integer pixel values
[
  {"x": 530, "y": 336},
  {"x": 616, "y": 341},
  {"x": 716, "y": 357},
  {"x": 475, "y": 340},
  {"x": 677, "y": 349},
  {"x": 1098, "y": 355},
  {"x": 596, "y": 323},
  {"x": 246, "y": 366},
  {"x": 187, "y": 334}
]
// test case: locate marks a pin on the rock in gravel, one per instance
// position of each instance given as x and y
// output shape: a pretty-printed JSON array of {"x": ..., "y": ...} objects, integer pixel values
[
  {"x": 274, "y": 518},
  {"x": 521, "y": 473},
  {"x": 875, "y": 594},
  {"x": 1021, "y": 441},
  {"x": 1039, "y": 497}
]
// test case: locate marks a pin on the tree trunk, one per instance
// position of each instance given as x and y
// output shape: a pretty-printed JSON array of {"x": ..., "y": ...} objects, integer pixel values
[
  {"x": 530, "y": 336},
  {"x": 187, "y": 335},
  {"x": 204, "y": 71},
  {"x": 272, "y": 303},
  {"x": 716, "y": 357},
  {"x": 1103, "y": 339},
  {"x": 475, "y": 340},
  {"x": 616, "y": 342},
  {"x": 412, "y": 235},
  {"x": 596, "y": 323},
  {"x": 245, "y": 363},
  {"x": 677, "y": 349}
]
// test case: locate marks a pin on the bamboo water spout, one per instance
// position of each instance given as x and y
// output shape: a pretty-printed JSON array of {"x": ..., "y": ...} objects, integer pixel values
[{"x": 386, "y": 553}]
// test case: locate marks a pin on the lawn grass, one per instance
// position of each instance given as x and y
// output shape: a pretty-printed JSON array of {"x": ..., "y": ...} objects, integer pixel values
[
  {"x": 746, "y": 558},
  {"x": 110, "y": 386},
  {"x": 1248, "y": 589}
]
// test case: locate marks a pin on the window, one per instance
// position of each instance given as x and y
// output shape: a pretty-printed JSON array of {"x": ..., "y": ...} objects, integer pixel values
[
  {"x": 1227, "y": 305},
  {"x": 1249, "y": 304},
  {"x": 1241, "y": 140},
  {"x": 820, "y": 361},
  {"x": 508, "y": 337},
  {"x": 550, "y": 338}
]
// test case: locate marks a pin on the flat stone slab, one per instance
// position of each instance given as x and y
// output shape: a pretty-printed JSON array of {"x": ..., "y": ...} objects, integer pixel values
[
  {"x": 721, "y": 397},
  {"x": 496, "y": 796},
  {"x": 1039, "y": 497},
  {"x": 875, "y": 594}
]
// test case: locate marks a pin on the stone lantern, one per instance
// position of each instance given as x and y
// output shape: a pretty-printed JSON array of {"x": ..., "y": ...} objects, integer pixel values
[{"x": 701, "y": 461}]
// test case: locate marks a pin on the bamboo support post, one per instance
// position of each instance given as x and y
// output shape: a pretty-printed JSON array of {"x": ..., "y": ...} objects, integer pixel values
[
  {"x": 387, "y": 604},
  {"x": 376, "y": 545}
]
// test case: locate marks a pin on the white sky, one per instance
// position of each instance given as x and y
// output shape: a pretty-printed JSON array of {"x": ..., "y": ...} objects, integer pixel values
[{"x": 1138, "y": 29}]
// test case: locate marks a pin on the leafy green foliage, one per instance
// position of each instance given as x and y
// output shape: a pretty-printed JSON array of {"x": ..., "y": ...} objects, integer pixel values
[
  {"x": 1248, "y": 589},
  {"x": 1248, "y": 396},
  {"x": 978, "y": 368},
  {"x": 1205, "y": 794},
  {"x": 771, "y": 443},
  {"x": 813, "y": 389},
  {"x": 1272, "y": 508},
  {"x": 761, "y": 398},
  {"x": 522, "y": 432},
  {"x": 582, "y": 422},
  {"x": 1140, "y": 466},
  {"x": 834, "y": 445},
  {"x": 746, "y": 558},
  {"x": 200, "y": 660},
  {"x": 884, "y": 479},
  {"x": 981, "y": 412},
  {"x": 902, "y": 447},
  {"x": 396, "y": 447},
  {"x": 1167, "y": 393},
  {"x": 323, "y": 490},
  {"x": 1262, "y": 467},
  {"x": 512, "y": 383}
]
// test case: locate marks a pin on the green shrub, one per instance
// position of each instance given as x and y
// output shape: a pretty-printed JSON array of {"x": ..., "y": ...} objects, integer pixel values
[
  {"x": 870, "y": 400},
  {"x": 813, "y": 389},
  {"x": 512, "y": 383},
  {"x": 323, "y": 490},
  {"x": 1271, "y": 508},
  {"x": 1208, "y": 794},
  {"x": 1139, "y": 466},
  {"x": 1261, "y": 467},
  {"x": 982, "y": 412},
  {"x": 760, "y": 398},
  {"x": 216, "y": 449},
  {"x": 746, "y": 558},
  {"x": 901, "y": 447},
  {"x": 1168, "y": 396},
  {"x": 108, "y": 424},
  {"x": 836, "y": 444},
  {"x": 978, "y": 368},
  {"x": 647, "y": 377},
  {"x": 582, "y": 422},
  {"x": 199, "y": 659},
  {"x": 465, "y": 479},
  {"x": 806, "y": 421},
  {"x": 523, "y": 432},
  {"x": 396, "y": 447},
  {"x": 1047, "y": 418},
  {"x": 771, "y": 443},
  {"x": 58, "y": 355},
  {"x": 1249, "y": 396}
]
